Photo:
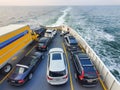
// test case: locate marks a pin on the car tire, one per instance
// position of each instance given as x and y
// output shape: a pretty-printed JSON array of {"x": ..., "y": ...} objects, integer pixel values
[
  {"x": 6, "y": 69},
  {"x": 30, "y": 76}
]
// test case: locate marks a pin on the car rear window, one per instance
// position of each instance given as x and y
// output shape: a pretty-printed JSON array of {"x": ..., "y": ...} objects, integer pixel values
[
  {"x": 57, "y": 73},
  {"x": 89, "y": 71},
  {"x": 41, "y": 44},
  {"x": 73, "y": 41},
  {"x": 20, "y": 70},
  {"x": 56, "y": 56}
]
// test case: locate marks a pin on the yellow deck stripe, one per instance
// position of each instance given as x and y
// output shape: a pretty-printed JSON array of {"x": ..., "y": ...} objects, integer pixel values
[
  {"x": 13, "y": 68},
  {"x": 103, "y": 85},
  {"x": 71, "y": 83},
  {"x": 6, "y": 76},
  {"x": 30, "y": 50}
]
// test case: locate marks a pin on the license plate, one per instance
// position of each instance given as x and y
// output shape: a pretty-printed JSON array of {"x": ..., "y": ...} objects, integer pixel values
[
  {"x": 13, "y": 81},
  {"x": 90, "y": 80},
  {"x": 57, "y": 79}
]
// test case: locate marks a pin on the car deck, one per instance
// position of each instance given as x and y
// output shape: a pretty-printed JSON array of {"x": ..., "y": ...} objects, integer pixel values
[{"x": 39, "y": 81}]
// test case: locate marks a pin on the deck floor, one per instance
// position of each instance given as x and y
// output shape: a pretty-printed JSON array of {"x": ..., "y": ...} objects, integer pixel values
[{"x": 39, "y": 82}]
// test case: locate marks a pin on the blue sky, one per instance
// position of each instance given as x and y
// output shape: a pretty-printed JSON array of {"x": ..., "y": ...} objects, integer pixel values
[{"x": 59, "y": 2}]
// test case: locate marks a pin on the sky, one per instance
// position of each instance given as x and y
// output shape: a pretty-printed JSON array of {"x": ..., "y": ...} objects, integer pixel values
[{"x": 57, "y": 2}]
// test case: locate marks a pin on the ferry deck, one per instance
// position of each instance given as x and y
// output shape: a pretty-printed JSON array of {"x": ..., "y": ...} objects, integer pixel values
[{"x": 39, "y": 81}]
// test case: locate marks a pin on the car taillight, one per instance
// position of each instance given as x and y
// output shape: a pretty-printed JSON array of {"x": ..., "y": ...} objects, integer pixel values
[
  {"x": 49, "y": 78},
  {"x": 21, "y": 81},
  {"x": 65, "y": 77},
  {"x": 81, "y": 76},
  {"x": 43, "y": 46}
]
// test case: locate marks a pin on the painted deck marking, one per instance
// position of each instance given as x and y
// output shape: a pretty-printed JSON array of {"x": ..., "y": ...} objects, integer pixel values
[
  {"x": 30, "y": 50},
  {"x": 71, "y": 82}
]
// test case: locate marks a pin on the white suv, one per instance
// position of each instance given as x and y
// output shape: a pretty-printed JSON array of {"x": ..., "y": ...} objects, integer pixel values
[{"x": 57, "y": 72}]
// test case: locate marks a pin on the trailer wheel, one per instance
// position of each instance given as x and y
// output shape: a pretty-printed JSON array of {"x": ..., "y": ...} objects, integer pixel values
[{"x": 6, "y": 69}]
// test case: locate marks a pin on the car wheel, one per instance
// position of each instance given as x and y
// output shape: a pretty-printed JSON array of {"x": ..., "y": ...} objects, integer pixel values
[
  {"x": 6, "y": 69},
  {"x": 30, "y": 76}
]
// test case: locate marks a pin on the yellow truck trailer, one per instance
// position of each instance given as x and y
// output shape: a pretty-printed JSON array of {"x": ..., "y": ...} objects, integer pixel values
[{"x": 13, "y": 41}]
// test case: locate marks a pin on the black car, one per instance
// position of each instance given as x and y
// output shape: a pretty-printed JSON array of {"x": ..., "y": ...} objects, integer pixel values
[
  {"x": 70, "y": 42},
  {"x": 40, "y": 32},
  {"x": 85, "y": 71},
  {"x": 23, "y": 71},
  {"x": 43, "y": 43}
]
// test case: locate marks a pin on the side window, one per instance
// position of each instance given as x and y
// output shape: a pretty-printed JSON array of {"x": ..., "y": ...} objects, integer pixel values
[
  {"x": 48, "y": 60},
  {"x": 78, "y": 64},
  {"x": 64, "y": 59},
  {"x": 33, "y": 62},
  {"x": 66, "y": 39}
]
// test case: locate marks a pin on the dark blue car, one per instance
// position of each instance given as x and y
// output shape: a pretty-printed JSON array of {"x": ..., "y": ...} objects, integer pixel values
[
  {"x": 85, "y": 71},
  {"x": 24, "y": 69}
]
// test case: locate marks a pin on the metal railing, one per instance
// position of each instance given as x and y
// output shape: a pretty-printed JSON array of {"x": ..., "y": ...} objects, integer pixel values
[{"x": 106, "y": 76}]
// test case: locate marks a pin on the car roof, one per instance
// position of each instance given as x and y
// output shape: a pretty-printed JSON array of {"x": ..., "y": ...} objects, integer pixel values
[
  {"x": 57, "y": 65},
  {"x": 43, "y": 39},
  {"x": 56, "y": 50}
]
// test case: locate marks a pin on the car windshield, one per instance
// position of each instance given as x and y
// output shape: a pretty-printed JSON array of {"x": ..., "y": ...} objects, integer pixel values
[
  {"x": 20, "y": 70},
  {"x": 57, "y": 73},
  {"x": 56, "y": 56}
]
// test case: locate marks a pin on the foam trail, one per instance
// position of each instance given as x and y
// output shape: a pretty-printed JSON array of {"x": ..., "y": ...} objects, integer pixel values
[{"x": 61, "y": 19}]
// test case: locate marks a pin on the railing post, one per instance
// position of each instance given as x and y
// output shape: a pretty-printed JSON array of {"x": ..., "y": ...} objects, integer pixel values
[{"x": 112, "y": 85}]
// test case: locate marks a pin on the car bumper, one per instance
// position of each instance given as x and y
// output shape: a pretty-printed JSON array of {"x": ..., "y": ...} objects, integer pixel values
[
  {"x": 57, "y": 82},
  {"x": 15, "y": 83},
  {"x": 88, "y": 84}
]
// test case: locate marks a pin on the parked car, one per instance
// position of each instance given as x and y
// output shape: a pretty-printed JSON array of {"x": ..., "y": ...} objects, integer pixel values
[
  {"x": 43, "y": 43},
  {"x": 85, "y": 71},
  {"x": 57, "y": 72},
  {"x": 49, "y": 33},
  {"x": 55, "y": 32},
  {"x": 40, "y": 32},
  {"x": 23, "y": 71},
  {"x": 70, "y": 42}
]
